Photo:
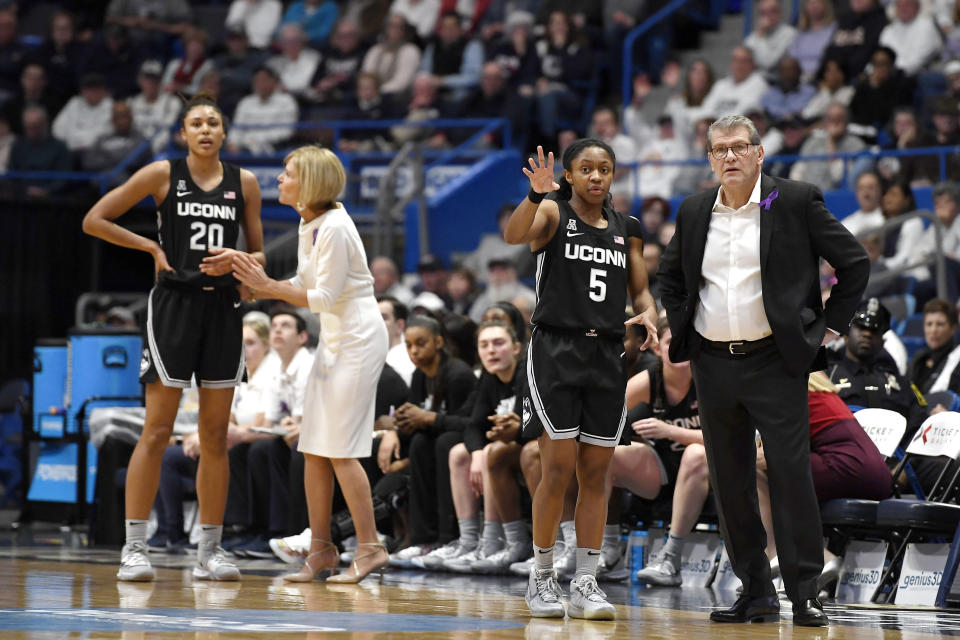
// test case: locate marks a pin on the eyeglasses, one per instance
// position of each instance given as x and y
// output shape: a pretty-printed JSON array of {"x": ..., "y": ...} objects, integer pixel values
[{"x": 740, "y": 149}]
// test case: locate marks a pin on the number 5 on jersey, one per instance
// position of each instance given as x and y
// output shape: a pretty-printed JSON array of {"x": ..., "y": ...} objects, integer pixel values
[
  {"x": 598, "y": 288},
  {"x": 212, "y": 234}
]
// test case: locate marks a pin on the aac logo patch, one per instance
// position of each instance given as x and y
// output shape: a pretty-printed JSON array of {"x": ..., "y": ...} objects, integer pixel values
[
  {"x": 145, "y": 361},
  {"x": 527, "y": 413}
]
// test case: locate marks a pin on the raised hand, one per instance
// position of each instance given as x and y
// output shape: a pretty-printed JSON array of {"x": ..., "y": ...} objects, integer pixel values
[{"x": 541, "y": 178}]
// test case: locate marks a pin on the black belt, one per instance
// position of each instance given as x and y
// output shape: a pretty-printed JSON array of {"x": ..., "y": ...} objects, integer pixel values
[{"x": 738, "y": 347}]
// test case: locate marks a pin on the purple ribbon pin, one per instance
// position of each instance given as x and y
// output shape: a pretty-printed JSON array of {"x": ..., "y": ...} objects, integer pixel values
[
  {"x": 766, "y": 202},
  {"x": 316, "y": 230}
]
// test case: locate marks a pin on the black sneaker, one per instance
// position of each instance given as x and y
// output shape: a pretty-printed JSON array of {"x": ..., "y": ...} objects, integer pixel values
[
  {"x": 158, "y": 543},
  {"x": 256, "y": 547}
]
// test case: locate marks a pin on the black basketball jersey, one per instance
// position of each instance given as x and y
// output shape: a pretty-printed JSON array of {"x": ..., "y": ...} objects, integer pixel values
[
  {"x": 685, "y": 414},
  {"x": 193, "y": 221},
  {"x": 582, "y": 273}
]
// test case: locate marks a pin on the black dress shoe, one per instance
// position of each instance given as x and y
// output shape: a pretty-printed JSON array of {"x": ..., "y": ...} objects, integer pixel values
[
  {"x": 809, "y": 613},
  {"x": 747, "y": 609}
]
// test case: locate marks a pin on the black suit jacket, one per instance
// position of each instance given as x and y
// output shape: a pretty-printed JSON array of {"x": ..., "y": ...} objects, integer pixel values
[{"x": 796, "y": 229}]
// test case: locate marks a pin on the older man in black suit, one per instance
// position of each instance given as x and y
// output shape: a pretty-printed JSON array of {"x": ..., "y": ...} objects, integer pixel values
[{"x": 740, "y": 283}]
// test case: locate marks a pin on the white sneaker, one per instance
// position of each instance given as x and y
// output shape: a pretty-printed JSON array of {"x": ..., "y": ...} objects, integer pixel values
[
  {"x": 612, "y": 565},
  {"x": 661, "y": 574},
  {"x": 544, "y": 596},
  {"x": 436, "y": 560},
  {"x": 135, "y": 563},
  {"x": 587, "y": 601},
  {"x": 403, "y": 559},
  {"x": 217, "y": 565},
  {"x": 292, "y": 549},
  {"x": 501, "y": 561}
]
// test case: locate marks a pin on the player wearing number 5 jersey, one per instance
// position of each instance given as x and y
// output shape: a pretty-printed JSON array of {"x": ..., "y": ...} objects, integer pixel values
[
  {"x": 588, "y": 257},
  {"x": 193, "y": 320}
]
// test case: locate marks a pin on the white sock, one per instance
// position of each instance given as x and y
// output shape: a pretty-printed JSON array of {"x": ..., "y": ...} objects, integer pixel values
[
  {"x": 568, "y": 529},
  {"x": 469, "y": 532},
  {"x": 136, "y": 530},
  {"x": 210, "y": 535},
  {"x": 516, "y": 532},
  {"x": 611, "y": 536},
  {"x": 543, "y": 557},
  {"x": 587, "y": 560}
]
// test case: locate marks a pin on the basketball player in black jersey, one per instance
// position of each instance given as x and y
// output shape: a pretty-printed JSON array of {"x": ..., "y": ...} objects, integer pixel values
[
  {"x": 193, "y": 323},
  {"x": 588, "y": 257}
]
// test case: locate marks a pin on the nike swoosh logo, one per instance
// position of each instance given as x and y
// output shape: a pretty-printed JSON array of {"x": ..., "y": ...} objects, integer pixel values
[
  {"x": 573, "y": 235},
  {"x": 542, "y": 551},
  {"x": 180, "y": 194},
  {"x": 593, "y": 553},
  {"x": 236, "y": 305}
]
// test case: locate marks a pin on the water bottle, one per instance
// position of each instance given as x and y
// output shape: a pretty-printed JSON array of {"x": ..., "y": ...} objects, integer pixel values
[{"x": 637, "y": 546}]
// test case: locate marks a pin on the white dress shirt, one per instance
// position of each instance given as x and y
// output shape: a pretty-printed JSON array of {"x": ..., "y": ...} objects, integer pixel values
[{"x": 731, "y": 297}]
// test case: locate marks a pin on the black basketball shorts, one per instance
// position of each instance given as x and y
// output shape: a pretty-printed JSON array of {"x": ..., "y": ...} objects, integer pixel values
[
  {"x": 576, "y": 387},
  {"x": 193, "y": 331}
]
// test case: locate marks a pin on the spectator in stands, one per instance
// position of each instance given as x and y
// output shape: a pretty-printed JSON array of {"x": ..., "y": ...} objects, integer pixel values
[
  {"x": 832, "y": 139},
  {"x": 900, "y": 242},
  {"x": 564, "y": 64},
  {"x": 395, "y": 58},
  {"x": 492, "y": 246},
  {"x": 605, "y": 125},
  {"x": 946, "y": 206},
  {"x": 369, "y": 105},
  {"x": 925, "y": 170},
  {"x": 12, "y": 53},
  {"x": 882, "y": 90},
  {"x": 61, "y": 54},
  {"x": 502, "y": 286},
  {"x": 832, "y": 87},
  {"x": 932, "y": 367},
  {"x": 86, "y": 116},
  {"x": 335, "y": 80},
  {"x": 771, "y": 137},
  {"x": 913, "y": 36},
  {"x": 815, "y": 29},
  {"x": 368, "y": 15},
  {"x": 455, "y": 59},
  {"x": 182, "y": 75},
  {"x": 868, "y": 191},
  {"x": 654, "y": 213},
  {"x": 789, "y": 95},
  {"x": 657, "y": 179},
  {"x": 492, "y": 100},
  {"x": 440, "y": 386},
  {"x": 433, "y": 277},
  {"x": 394, "y": 314},
  {"x": 267, "y": 105},
  {"x": 386, "y": 280},
  {"x": 693, "y": 178},
  {"x": 153, "y": 23},
  {"x": 906, "y": 133},
  {"x": 34, "y": 89},
  {"x": 844, "y": 461},
  {"x": 857, "y": 36},
  {"x": 297, "y": 63},
  {"x": 586, "y": 17},
  {"x": 515, "y": 54},
  {"x": 256, "y": 18},
  {"x": 771, "y": 37},
  {"x": 210, "y": 84},
  {"x": 315, "y": 17},
  {"x": 463, "y": 291},
  {"x": 736, "y": 93},
  {"x": 425, "y": 104},
  {"x": 111, "y": 149},
  {"x": 117, "y": 57},
  {"x": 795, "y": 134},
  {"x": 37, "y": 150},
  {"x": 236, "y": 66},
  {"x": 684, "y": 108},
  {"x": 154, "y": 111},
  {"x": 665, "y": 459},
  {"x": 7, "y": 139},
  {"x": 866, "y": 375},
  {"x": 420, "y": 14}
]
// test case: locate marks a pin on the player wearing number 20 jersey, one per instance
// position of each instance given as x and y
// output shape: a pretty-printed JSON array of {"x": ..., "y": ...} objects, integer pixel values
[
  {"x": 193, "y": 319},
  {"x": 193, "y": 221}
]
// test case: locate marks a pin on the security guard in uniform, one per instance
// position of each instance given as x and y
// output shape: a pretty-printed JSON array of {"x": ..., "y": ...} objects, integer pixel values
[{"x": 866, "y": 375}]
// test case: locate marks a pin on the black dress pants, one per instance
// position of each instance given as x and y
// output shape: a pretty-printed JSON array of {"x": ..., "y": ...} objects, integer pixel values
[
  {"x": 738, "y": 396},
  {"x": 432, "y": 517}
]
